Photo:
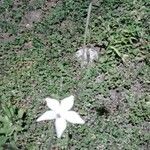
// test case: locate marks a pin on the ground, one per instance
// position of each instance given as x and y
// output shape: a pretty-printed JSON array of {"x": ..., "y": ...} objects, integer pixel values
[{"x": 38, "y": 42}]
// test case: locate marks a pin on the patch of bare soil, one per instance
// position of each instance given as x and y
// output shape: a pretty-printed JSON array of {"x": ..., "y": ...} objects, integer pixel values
[
  {"x": 28, "y": 45},
  {"x": 31, "y": 17},
  {"x": 131, "y": 74},
  {"x": 36, "y": 16},
  {"x": 52, "y": 3},
  {"x": 116, "y": 99},
  {"x": 67, "y": 26},
  {"x": 6, "y": 37},
  {"x": 111, "y": 103}
]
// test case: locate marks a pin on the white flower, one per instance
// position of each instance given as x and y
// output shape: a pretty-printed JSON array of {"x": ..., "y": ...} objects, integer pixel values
[{"x": 61, "y": 113}]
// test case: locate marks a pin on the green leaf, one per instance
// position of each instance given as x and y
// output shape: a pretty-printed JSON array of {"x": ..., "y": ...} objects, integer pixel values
[
  {"x": 2, "y": 140},
  {"x": 21, "y": 113}
]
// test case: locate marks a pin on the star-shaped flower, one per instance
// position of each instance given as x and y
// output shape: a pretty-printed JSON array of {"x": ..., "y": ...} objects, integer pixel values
[{"x": 60, "y": 111}]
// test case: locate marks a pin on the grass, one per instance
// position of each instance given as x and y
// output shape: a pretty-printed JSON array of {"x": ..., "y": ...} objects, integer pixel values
[{"x": 112, "y": 94}]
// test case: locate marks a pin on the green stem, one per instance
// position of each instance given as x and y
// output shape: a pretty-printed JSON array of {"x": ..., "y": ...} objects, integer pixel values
[{"x": 87, "y": 23}]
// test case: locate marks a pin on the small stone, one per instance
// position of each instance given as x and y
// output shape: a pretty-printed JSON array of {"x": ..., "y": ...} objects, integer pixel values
[{"x": 28, "y": 26}]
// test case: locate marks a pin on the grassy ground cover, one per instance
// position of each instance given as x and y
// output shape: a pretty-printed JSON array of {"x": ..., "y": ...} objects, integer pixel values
[{"x": 38, "y": 42}]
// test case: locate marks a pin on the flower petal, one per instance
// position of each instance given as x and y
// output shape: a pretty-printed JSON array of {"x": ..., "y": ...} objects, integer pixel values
[
  {"x": 60, "y": 125},
  {"x": 73, "y": 117},
  {"x": 53, "y": 104},
  {"x": 67, "y": 103},
  {"x": 48, "y": 115}
]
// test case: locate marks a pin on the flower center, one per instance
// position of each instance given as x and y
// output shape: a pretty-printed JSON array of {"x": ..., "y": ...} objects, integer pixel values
[{"x": 58, "y": 116}]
